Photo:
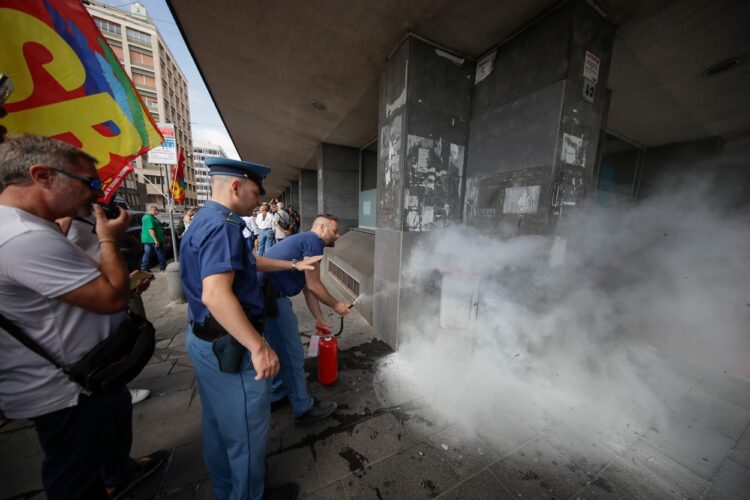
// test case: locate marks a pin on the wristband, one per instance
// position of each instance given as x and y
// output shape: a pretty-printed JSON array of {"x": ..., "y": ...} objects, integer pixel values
[
  {"x": 107, "y": 241},
  {"x": 294, "y": 264}
]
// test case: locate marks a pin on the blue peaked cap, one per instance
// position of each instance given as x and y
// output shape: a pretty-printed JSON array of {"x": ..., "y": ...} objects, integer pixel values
[{"x": 236, "y": 168}]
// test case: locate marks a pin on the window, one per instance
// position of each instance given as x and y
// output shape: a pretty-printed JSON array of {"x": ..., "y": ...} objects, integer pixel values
[
  {"x": 117, "y": 51},
  {"x": 108, "y": 26},
  {"x": 144, "y": 80},
  {"x": 138, "y": 36},
  {"x": 150, "y": 102},
  {"x": 144, "y": 59}
]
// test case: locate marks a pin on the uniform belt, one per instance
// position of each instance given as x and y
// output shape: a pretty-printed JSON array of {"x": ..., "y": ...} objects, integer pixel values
[{"x": 211, "y": 330}]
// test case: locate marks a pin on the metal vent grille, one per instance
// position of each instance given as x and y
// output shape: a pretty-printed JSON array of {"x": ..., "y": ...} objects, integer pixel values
[{"x": 344, "y": 278}]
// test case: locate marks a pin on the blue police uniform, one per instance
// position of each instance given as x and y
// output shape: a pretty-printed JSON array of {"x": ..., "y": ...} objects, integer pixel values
[
  {"x": 282, "y": 331},
  {"x": 236, "y": 409}
]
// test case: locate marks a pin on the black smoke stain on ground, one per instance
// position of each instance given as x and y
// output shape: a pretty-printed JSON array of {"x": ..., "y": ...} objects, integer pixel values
[{"x": 355, "y": 459}]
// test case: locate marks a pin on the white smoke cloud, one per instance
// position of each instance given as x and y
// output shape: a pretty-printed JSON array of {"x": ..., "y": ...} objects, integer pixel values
[{"x": 584, "y": 327}]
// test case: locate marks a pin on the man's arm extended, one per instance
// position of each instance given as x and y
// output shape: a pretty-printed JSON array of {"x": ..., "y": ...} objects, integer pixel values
[
  {"x": 227, "y": 310},
  {"x": 267, "y": 265},
  {"x": 110, "y": 291},
  {"x": 318, "y": 289}
]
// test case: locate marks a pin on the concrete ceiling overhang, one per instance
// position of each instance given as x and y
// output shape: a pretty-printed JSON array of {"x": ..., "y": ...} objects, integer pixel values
[{"x": 266, "y": 63}]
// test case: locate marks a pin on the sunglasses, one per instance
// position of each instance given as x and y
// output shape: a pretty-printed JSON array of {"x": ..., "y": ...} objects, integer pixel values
[{"x": 93, "y": 183}]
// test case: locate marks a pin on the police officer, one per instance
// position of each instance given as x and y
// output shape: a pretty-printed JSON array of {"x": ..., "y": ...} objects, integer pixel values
[{"x": 233, "y": 362}]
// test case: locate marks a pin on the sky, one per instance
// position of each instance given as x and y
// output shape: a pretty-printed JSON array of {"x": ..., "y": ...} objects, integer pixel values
[{"x": 206, "y": 122}]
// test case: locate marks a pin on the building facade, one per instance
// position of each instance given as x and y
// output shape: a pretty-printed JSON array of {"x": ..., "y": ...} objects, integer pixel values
[
  {"x": 201, "y": 150},
  {"x": 144, "y": 55}
]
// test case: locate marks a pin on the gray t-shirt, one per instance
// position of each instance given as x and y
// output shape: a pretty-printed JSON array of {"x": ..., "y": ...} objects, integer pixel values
[
  {"x": 37, "y": 264},
  {"x": 282, "y": 216}
]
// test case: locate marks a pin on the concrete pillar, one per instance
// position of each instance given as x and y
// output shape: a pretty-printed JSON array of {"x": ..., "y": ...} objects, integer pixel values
[
  {"x": 338, "y": 184},
  {"x": 536, "y": 120},
  {"x": 308, "y": 198},
  {"x": 425, "y": 104},
  {"x": 294, "y": 194}
]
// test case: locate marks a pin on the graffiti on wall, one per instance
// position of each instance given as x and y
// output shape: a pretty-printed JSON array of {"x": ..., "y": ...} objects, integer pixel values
[{"x": 433, "y": 173}]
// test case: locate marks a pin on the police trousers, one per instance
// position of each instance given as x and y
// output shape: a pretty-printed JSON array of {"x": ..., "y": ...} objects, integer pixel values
[{"x": 236, "y": 415}]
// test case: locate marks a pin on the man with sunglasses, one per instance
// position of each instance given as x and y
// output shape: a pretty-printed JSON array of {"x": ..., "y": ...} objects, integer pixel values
[{"x": 67, "y": 303}]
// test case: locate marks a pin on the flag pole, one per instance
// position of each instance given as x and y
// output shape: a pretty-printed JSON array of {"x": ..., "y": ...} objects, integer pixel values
[{"x": 170, "y": 212}]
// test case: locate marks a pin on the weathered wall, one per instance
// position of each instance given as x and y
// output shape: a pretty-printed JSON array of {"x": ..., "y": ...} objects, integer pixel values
[
  {"x": 425, "y": 107},
  {"x": 338, "y": 183},
  {"x": 534, "y": 134}
]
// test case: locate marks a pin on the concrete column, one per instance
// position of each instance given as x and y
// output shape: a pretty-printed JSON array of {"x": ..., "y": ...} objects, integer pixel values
[
  {"x": 338, "y": 183},
  {"x": 308, "y": 198},
  {"x": 425, "y": 104},
  {"x": 536, "y": 119},
  {"x": 294, "y": 194}
]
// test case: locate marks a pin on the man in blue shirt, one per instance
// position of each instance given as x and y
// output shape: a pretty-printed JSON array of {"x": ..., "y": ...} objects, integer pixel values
[
  {"x": 282, "y": 330},
  {"x": 233, "y": 362}
]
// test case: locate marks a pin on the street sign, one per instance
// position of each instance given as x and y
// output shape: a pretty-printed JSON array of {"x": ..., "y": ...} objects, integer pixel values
[{"x": 166, "y": 153}]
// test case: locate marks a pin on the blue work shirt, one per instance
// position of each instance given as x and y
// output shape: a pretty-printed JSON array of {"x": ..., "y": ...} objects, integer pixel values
[
  {"x": 298, "y": 246},
  {"x": 215, "y": 245}
]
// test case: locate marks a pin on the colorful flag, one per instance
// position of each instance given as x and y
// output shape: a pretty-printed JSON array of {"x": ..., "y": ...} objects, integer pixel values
[
  {"x": 177, "y": 189},
  {"x": 70, "y": 86}
]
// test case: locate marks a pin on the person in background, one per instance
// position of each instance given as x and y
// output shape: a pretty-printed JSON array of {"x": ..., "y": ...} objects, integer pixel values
[
  {"x": 295, "y": 219},
  {"x": 152, "y": 237},
  {"x": 188, "y": 218},
  {"x": 264, "y": 221},
  {"x": 55, "y": 293},
  {"x": 281, "y": 223},
  {"x": 251, "y": 228}
]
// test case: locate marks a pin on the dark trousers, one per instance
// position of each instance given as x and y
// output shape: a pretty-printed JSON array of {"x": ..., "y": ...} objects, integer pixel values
[
  {"x": 150, "y": 248},
  {"x": 87, "y": 446}
]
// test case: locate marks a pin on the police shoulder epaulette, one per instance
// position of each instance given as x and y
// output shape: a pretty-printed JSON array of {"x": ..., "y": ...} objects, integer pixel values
[{"x": 231, "y": 220}]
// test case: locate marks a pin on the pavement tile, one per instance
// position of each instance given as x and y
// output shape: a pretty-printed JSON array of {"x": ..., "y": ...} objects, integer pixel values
[
  {"x": 21, "y": 476},
  {"x": 167, "y": 384},
  {"x": 741, "y": 451},
  {"x": 418, "y": 416},
  {"x": 479, "y": 487},
  {"x": 505, "y": 434},
  {"x": 587, "y": 453},
  {"x": 333, "y": 491},
  {"x": 467, "y": 454},
  {"x": 178, "y": 428},
  {"x": 15, "y": 425},
  {"x": 602, "y": 489},
  {"x": 297, "y": 465},
  {"x": 204, "y": 492},
  {"x": 629, "y": 479},
  {"x": 395, "y": 391},
  {"x": 417, "y": 472},
  {"x": 154, "y": 369},
  {"x": 361, "y": 444},
  {"x": 181, "y": 364},
  {"x": 674, "y": 476},
  {"x": 538, "y": 470},
  {"x": 186, "y": 469},
  {"x": 691, "y": 444},
  {"x": 732, "y": 481},
  {"x": 727, "y": 387},
  {"x": 728, "y": 419},
  {"x": 22, "y": 442}
]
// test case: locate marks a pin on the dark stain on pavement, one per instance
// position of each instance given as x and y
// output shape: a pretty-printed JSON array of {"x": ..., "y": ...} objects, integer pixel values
[{"x": 356, "y": 460}]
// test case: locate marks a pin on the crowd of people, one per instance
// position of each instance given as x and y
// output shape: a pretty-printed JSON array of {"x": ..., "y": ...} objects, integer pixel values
[{"x": 64, "y": 284}]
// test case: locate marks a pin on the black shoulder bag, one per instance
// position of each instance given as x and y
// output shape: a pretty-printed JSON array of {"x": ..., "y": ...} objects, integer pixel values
[{"x": 113, "y": 362}]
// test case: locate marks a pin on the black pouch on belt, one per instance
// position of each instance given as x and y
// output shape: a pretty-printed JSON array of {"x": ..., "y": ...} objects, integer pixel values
[
  {"x": 227, "y": 350},
  {"x": 270, "y": 294}
]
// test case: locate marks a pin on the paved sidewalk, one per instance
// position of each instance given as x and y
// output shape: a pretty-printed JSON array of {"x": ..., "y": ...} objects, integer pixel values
[{"x": 386, "y": 442}]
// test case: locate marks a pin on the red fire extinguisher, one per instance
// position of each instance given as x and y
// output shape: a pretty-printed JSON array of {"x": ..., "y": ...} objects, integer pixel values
[
  {"x": 328, "y": 352},
  {"x": 328, "y": 360}
]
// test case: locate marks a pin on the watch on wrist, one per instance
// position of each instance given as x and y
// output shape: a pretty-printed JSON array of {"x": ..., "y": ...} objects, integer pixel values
[{"x": 294, "y": 264}]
